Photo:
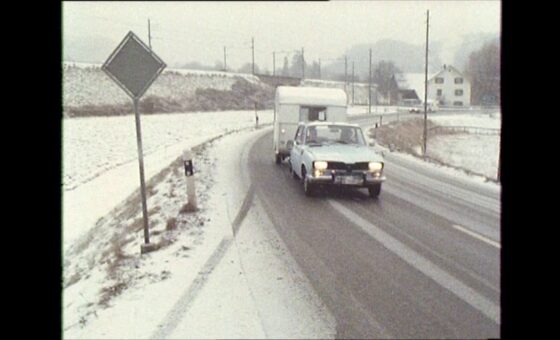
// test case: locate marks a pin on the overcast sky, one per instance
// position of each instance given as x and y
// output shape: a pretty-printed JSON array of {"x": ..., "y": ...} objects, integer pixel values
[{"x": 198, "y": 31}]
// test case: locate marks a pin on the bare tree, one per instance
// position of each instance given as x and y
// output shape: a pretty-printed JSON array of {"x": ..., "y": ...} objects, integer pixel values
[
  {"x": 286, "y": 68},
  {"x": 483, "y": 70},
  {"x": 383, "y": 76}
]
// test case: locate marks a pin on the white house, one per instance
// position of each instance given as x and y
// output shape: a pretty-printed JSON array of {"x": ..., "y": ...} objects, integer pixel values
[{"x": 448, "y": 87}]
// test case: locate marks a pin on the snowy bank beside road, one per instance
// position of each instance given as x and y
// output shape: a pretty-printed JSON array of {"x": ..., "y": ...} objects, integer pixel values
[
  {"x": 201, "y": 283},
  {"x": 477, "y": 155},
  {"x": 100, "y": 166}
]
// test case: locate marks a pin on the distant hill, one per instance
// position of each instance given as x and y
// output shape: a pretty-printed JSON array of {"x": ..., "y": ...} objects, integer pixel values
[
  {"x": 410, "y": 58},
  {"x": 88, "y": 91},
  {"x": 471, "y": 43}
]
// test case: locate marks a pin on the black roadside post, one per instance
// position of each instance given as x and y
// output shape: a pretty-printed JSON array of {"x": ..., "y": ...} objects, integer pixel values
[{"x": 256, "y": 116}]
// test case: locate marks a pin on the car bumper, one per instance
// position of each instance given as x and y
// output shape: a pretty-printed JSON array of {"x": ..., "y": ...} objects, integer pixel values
[{"x": 353, "y": 180}]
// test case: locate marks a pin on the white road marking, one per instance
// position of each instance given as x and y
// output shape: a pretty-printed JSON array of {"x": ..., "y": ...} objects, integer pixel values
[
  {"x": 477, "y": 236},
  {"x": 446, "y": 280}
]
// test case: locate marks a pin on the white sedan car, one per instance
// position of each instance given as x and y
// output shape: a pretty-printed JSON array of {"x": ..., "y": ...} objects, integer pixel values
[{"x": 335, "y": 154}]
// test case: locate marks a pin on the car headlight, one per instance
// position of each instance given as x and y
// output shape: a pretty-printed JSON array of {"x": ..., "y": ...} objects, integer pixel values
[
  {"x": 320, "y": 165},
  {"x": 375, "y": 166}
]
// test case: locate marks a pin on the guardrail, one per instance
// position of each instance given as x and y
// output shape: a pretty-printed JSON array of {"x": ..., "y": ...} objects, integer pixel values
[{"x": 468, "y": 129}]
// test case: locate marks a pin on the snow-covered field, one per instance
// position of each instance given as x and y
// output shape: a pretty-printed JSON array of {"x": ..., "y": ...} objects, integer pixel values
[
  {"x": 100, "y": 157},
  {"x": 470, "y": 151}
]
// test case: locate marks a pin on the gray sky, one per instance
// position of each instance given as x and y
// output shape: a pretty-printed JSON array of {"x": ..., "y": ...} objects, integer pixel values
[{"x": 198, "y": 31}]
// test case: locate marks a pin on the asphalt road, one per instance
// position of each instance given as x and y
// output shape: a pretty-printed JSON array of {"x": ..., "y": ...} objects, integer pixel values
[{"x": 421, "y": 261}]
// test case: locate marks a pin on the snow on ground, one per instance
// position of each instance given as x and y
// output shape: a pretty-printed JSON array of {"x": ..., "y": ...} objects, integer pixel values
[
  {"x": 354, "y": 110},
  {"x": 251, "y": 289},
  {"x": 477, "y": 153},
  {"x": 464, "y": 155},
  {"x": 113, "y": 292},
  {"x": 87, "y": 84},
  {"x": 473, "y": 152},
  {"x": 482, "y": 120},
  {"x": 100, "y": 157}
]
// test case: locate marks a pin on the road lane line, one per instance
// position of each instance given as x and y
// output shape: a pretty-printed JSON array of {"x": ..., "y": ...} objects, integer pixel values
[
  {"x": 446, "y": 280},
  {"x": 183, "y": 304},
  {"x": 477, "y": 236}
]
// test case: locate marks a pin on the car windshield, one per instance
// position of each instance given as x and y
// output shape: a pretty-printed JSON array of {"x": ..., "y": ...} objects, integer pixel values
[{"x": 331, "y": 134}]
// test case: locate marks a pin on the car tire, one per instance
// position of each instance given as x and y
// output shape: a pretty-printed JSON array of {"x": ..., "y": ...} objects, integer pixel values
[
  {"x": 292, "y": 172},
  {"x": 374, "y": 190},
  {"x": 307, "y": 187}
]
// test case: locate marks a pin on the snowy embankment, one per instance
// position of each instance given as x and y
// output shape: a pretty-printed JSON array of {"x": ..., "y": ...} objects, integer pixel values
[
  {"x": 88, "y": 91},
  {"x": 457, "y": 142},
  {"x": 100, "y": 157},
  {"x": 200, "y": 275}
]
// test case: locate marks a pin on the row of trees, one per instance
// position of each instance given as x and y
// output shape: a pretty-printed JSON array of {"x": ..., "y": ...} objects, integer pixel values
[
  {"x": 292, "y": 67},
  {"x": 482, "y": 69}
]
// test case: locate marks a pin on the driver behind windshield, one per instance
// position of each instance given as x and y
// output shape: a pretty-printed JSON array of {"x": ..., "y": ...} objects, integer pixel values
[
  {"x": 312, "y": 135},
  {"x": 347, "y": 136}
]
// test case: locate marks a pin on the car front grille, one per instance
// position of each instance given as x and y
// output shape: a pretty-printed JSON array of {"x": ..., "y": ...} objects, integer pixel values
[{"x": 348, "y": 166}]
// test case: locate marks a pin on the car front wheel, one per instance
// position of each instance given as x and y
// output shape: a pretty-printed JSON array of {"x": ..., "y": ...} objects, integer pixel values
[
  {"x": 307, "y": 186},
  {"x": 294, "y": 175},
  {"x": 374, "y": 190}
]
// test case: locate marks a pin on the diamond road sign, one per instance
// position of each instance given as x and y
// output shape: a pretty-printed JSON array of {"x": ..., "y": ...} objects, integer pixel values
[{"x": 133, "y": 66}]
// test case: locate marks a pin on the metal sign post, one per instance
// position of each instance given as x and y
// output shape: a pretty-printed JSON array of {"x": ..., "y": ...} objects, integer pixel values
[
  {"x": 141, "y": 166},
  {"x": 134, "y": 67}
]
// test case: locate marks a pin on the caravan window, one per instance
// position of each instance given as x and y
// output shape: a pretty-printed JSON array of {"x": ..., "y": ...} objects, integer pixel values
[{"x": 312, "y": 113}]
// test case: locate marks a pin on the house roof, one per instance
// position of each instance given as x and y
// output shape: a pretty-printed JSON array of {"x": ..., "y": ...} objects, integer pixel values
[
  {"x": 413, "y": 81},
  {"x": 408, "y": 94},
  {"x": 446, "y": 68}
]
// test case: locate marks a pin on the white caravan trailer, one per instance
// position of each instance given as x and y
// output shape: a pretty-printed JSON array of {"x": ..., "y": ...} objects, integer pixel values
[{"x": 304, "y": 104}]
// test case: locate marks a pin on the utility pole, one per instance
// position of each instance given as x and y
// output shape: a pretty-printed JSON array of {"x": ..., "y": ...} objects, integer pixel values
[
  {"x": 352, "y": 82},
  {"x": 302, "y": 65},
  {"x": 273, "y": 64},
  {"x": 369, "y": 83},
  {"x": 319, "y": 68},
  {"x": 149, "y": 35},
  {"x": 253, "y": 52},
  {"x": 225, "y": 60},
  {"x": 426, "y": 86},
  {"x": 346, "y": 77}
]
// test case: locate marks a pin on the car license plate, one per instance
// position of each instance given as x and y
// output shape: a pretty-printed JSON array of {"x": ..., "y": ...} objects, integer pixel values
[{"x": 351, "y": 180}]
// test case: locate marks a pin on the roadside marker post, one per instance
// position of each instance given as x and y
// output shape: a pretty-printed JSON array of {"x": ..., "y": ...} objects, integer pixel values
[
  {"x": 256, "y": 117},
  {"x": 189, "y": 173},
  {"x": 134, "y": 67}
]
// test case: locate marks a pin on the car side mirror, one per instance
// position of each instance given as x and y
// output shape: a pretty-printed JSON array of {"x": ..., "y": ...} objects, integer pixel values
[{"x": 290, "y": 144}]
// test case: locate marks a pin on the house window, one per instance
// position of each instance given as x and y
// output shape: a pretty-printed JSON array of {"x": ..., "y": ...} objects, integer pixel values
[
  {"x": 439, "y": 92},
  {"x": 439, "y": 80},
  {"x": 458, "y": 103},
  {"x": 458, "y": 92},
  {"x": 458, "y": 80}
]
